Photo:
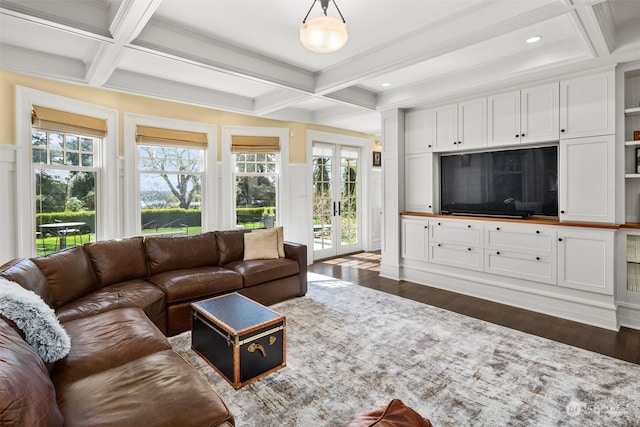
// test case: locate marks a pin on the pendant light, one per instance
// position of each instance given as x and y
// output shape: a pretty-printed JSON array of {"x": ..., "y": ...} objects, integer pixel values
[{"x": 323, "y": 34}]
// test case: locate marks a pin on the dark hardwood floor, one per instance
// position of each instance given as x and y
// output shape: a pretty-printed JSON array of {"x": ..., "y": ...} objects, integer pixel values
[{"x": 363, "y": 268}]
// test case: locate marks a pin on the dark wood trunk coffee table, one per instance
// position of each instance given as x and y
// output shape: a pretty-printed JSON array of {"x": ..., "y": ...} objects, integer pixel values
[{"x": 240, "y": 338}]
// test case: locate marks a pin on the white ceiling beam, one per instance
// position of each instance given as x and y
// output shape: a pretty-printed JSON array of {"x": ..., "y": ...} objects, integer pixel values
[
  {"x": 463, "y": 30},
  {"x": 586, "y": 23},
  {"x": 172, "y": 42},
  {"x": 130, "y": 19},
  {"x": 141, "y": 84},
  {"x": 41, "y": 64},
  {"x": 354, "y": 96},
  {"x": 275, "y": 100}
]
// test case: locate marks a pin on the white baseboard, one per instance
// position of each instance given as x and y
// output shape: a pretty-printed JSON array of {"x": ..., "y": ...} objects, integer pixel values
[
  {"x": 602, "y": 314},
  {"x": 629, "y": 315}
]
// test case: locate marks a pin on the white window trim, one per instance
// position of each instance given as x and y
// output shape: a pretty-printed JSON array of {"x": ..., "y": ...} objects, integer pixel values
[
  {"x": 107, "y": 226},
  {"x": 227, "y": 216},
  {"x": 132, "y": 208}
]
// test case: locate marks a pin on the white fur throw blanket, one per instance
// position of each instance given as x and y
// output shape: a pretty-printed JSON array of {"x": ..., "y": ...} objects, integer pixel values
[{"x": 36, "y": 320}]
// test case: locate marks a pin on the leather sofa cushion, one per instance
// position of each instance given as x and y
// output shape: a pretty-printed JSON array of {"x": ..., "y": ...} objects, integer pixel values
[
  {"x": 194, "y": 283},
  {"x": 105, "y": 341},
  {"x": 68, "y": 274},
  {"x": 176, "y": 253},
  {"x": 29, "y": 276},
  {"x": 27, "y": 395},
  {"x": 161, "y": 387},
  {"x": 395, "y": 414},
  {"x": 118, "y": 260},
  {"x": 230, "y": 245},
  {"x": 255, "y": 272},
  {"x": 134, "y": 293}
]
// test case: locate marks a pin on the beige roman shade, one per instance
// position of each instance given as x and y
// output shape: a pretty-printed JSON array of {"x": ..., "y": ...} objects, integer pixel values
[
  {"x": 147, "y": 135},
  {"x": 255, "y": 144},
  {"x": 62, "y": 121}
]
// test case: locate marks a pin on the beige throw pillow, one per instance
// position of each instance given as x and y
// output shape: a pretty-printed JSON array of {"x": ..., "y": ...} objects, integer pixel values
[
  {"x": 261, "y": 245},
  {"x": 280, "y": 232}
]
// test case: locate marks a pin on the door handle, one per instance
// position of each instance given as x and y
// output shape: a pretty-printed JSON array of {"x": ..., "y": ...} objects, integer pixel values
[
  {"x": 334, "y": 208},
  {"x": 339, "y": 209}
]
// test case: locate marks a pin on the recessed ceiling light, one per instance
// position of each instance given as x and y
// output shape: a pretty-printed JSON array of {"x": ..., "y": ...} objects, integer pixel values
[
  {"x": 534, "y": 39},
  {"x": 386, "y": 84}
]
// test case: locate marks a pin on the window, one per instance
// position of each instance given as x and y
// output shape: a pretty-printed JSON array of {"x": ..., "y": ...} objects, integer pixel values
[
  {"x": 170, "y": 175},
  {"x": 256, "y": 178},
  {"x": 64, "y": 156}
]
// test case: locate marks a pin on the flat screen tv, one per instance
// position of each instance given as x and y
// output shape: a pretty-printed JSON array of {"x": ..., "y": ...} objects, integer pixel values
[{"x": 510, "y": 183}]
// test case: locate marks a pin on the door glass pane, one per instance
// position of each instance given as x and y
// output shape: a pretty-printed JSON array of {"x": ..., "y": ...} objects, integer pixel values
[
  {"x": 348, "y": 198},
  {"x": 322, "y": 200}
]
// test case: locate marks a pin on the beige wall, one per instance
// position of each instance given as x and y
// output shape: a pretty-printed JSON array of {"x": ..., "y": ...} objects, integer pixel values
[{"x": 126, "y": 103}]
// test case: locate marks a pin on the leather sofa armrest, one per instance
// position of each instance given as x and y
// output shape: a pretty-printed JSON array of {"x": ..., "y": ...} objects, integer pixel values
[{"x": 298, "y": 252}]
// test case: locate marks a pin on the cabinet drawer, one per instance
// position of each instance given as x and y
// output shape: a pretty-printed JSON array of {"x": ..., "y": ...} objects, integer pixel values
[
  {"x": 456, "y": 232},
  {"x": 533, "y": 240},
  {"x": 522, "y": 266},
  {"x": 456, "y": 256}
]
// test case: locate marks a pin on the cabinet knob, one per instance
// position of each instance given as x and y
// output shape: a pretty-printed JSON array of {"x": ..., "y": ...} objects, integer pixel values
[
  {"x": 498, "y": 253},
  {"x": 429, "y": 145},
  {"x": 562, "y": 130},
  {"x": 426, "y": 226},
  {"x": 498, "y": 228},
  {"x": 459, "y": 142},
  {"x": 561, "y": 212},
  {"x": 517, "y": 136},
  {"x": 468, "y": 249},
  {"x": 560, "y": 239},
  {"x": 537, "y": 231},
  {"x": 439, "y": 245},
  {"x": 454, "y": 142},
  {"x": 522, "y": 135},
  {"x": 429, "y": 206},
  {"x": 439, "y": 224},
  {"x": 537, "y": 258},
  {"x": 468, "y": 226}
]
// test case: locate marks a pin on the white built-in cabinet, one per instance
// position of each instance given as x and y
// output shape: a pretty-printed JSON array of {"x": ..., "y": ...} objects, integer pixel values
[
  {"x": 587, "y": 106},
  {"x": 418, "y": 132},
  {"x": 414, "y": 238},
  {"x": 524, "y": 116},
  {"x": 586, "y": 179},
  {"x": 523, "y": 251},
  {"x": 460, "y": 126},
  {"x": 585, "y": 259},
  {"x": 579, "y": 258},
  {"x": 456, "y": 244},
  {"x": 418, "y": 182}
]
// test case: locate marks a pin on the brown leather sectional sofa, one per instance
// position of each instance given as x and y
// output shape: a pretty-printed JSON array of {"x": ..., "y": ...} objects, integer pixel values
[{"x": 108, "y": 296}]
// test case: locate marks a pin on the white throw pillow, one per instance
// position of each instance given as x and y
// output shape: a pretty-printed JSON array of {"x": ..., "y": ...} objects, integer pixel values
[
  {"x": 261, "y": 245},
  {"x": 37, "y": 321}
]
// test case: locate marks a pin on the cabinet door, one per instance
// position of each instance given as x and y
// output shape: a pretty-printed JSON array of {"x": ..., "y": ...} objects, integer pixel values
[
  {"x": 418, "y": 182},
  {"x": 504, "y": 118},
  {"x": 539, "y": 113},
  {"x": 586, "y": 186},
  {"x": 585, "y": 259},
  {"x": 456, "y": 256},
  {"x": 587, "y": 106},
  {"x": 445, "y": 127},
  {"x": 415, "y": 238},
  {"x": 472, "y": 123},
  {"x": 524, "y": 266},
  {"x": 417, "y": 131}
]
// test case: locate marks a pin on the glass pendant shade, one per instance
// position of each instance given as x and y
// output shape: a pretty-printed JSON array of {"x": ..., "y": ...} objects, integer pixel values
[{"x": 324, "y": 34}]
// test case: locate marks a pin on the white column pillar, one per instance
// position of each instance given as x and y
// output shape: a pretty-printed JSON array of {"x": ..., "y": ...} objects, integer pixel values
[{"x": 392, "y": 190}]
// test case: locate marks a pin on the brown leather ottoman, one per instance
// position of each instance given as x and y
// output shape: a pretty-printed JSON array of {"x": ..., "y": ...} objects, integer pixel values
[{"x": 395, "y": 414}]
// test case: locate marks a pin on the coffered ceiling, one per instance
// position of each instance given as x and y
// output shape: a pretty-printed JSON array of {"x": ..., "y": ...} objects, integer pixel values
[{"x": 245, "y": 55}]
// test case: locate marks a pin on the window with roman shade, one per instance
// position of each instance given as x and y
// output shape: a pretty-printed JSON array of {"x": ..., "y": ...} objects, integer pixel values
[
  {"x": 170, "y": 175},
  {"x": 66, "y": 170},
  {"x": 256, "y": 160}
]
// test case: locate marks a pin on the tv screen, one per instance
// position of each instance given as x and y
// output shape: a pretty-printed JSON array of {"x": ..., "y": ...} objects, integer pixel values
[{"x": 511, "y": 183}]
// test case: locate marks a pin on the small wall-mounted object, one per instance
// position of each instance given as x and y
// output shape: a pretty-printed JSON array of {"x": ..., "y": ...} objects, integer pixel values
[
  {"x": 638, "y": 160},
  {"x": 636, "y": 135},
  {"x": 377, "y": 159}
]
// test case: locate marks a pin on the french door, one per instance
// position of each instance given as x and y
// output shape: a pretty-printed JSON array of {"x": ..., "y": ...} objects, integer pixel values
[{"x": 336, "y": 200}]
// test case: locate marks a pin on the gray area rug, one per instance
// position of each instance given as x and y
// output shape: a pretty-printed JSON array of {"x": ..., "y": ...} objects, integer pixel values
[{"x": 351, "y": 349}]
